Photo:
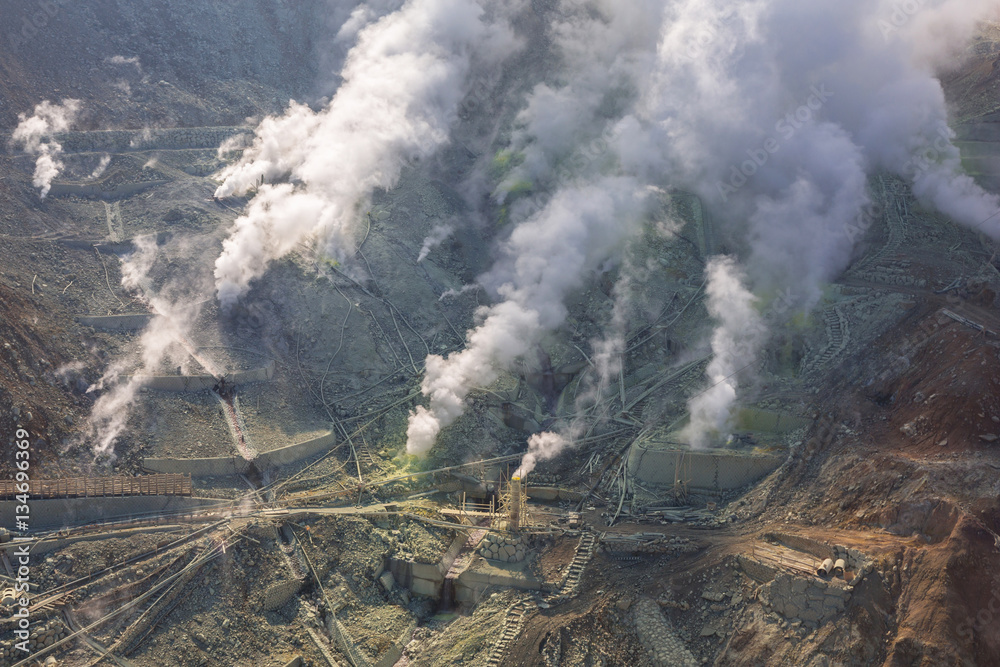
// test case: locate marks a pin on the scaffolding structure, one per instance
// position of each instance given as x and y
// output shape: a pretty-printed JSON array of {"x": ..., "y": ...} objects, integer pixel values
[
  {"x": 509, "y": 511},
  {"x": 472, "y": 514},
  {"x": 514, "y": 504}
]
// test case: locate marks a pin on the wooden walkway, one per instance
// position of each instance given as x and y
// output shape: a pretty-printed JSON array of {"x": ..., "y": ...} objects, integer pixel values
[
  {"x": 92, "y": 487},
  {"x": 786, "y": 559}
]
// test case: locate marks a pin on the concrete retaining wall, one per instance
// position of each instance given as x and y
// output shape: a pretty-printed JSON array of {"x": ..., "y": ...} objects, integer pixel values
[
  {"x": 470, "y": 585},
  {"x": 755, "y": 419},
  {"x": 395, "y": 650},
  {"x": 552, "y": 493},
  {"x": 220, "y": 466},
  {"x": 175, "y": 383},
  {"x": 427, "y": 578},
  {"x": 709, "y": 470},
  {"x": 118, "y": 141},
  {"x": 103, "y": 190},
  {"x": 57, "y": 513},
  {"x": 299, "y": 451},
  {"x": 187, "y": 383},
  {"x": 756, "y": 570}
]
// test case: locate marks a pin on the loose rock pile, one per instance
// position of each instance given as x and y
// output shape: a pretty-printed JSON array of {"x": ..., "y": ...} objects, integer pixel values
[
  {"x": 504, "y": 548},
  {"x": 645, "y": 543}
]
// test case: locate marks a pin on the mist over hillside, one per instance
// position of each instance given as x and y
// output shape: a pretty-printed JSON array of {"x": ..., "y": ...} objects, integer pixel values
[{"x": 489, "y": 297}]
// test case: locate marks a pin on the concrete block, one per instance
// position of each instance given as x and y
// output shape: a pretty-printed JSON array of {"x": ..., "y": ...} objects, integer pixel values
[
  {"x": 810, "y": 615},
  {"x": 430, "y": 589},
  {"x": 836, "y": 593},
  {"x": 474, "y": 579},
  {"x": 467, "y": 594},
  {"x": 428, "y": 571}
]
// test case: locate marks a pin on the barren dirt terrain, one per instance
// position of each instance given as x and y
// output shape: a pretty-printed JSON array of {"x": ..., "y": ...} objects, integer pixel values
[{"x": 357, "y": 552}]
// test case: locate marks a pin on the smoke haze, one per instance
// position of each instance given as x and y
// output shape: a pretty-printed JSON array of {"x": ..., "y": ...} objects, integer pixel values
[
  {"x": 546, "y": 256},
  {"x": 776, "y": 113},
  {"x": 402, "y": 83}
]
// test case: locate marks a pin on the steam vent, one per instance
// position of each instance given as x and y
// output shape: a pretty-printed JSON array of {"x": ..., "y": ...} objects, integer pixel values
[{"x": 487, "y": 333}]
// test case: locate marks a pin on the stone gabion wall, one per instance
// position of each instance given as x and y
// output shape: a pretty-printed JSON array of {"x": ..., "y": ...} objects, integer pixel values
[
  {"x": 504, "y": 548},
  {"x": 856, "y": 560},
  {"x": 813, "y": 601},
  {"x": 40, "y": 637},
  {"x": 277, "y": 595},
  {"x": 663, "y": 646}
]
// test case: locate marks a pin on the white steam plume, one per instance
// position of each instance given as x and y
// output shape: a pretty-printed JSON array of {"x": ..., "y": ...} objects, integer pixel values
[
  {"x": 736, "y": 342},
  {"x": 564, "y": 137},
  {"x": 100, "y": 168},
  {"x": 546, "y": 257},
  {"x": 402, "y": 83},
  {"x": 603, "y": 46},
  {"x": 607, "y": 352},
  {"x": 776, "y": 112},
  {"x": 163, "y": 343},
  {"x": 35, "y": 134},
  {"x": 437, "y": 236},
  {"x": 542, "y": 447}
]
